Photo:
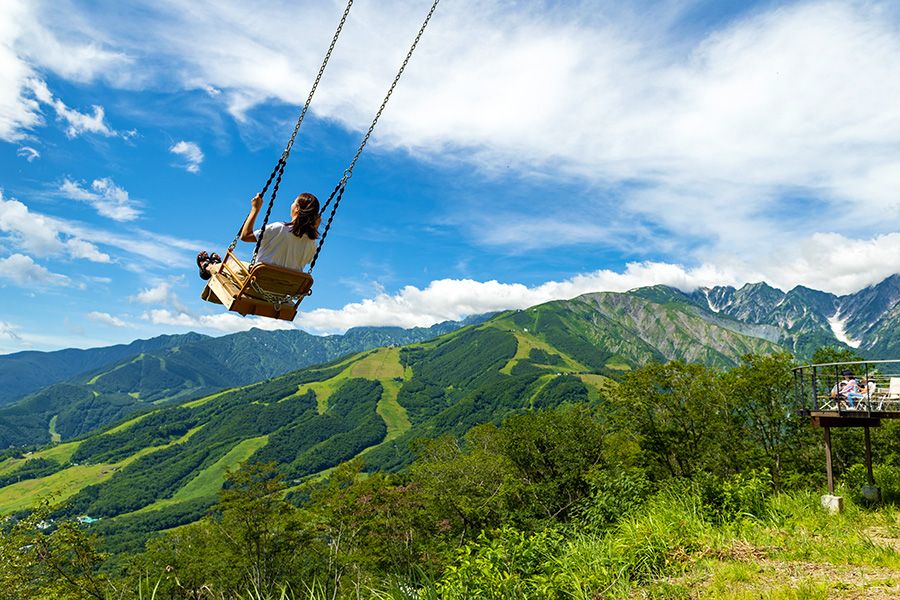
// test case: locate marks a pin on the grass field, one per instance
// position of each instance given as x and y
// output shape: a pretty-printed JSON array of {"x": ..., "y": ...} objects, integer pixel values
[
  {"x": 526, "y": 343},
  {"x": 382, "y": 364},
  {"x": 66, "y": 483},
  {"x": 391, "y": 411},
  {"x": 97, "y": 377},
  {"x": 54, "y": 436},
  {"x": 56, "y": 487},
  {"x": 209, "y": 481},
  {"x": 596, "y": 383},
  {"x": 61, "y": 453}
]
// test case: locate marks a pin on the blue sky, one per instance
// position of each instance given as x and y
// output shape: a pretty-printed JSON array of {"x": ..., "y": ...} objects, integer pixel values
[{"x": 534, "y": 151}]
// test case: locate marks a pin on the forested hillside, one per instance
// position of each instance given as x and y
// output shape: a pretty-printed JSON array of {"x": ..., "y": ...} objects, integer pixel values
[
  {"x": 602, "y": 333},
  {"x": 371, "y": 405},
  {"x": 676, "y": 481},
  {"x": 165, "y": 369}
]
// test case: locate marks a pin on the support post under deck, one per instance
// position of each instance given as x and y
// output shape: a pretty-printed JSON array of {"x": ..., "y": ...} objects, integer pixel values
[
  {"x": 871, "y": 476},
  {"x": 828, "y": 468}
]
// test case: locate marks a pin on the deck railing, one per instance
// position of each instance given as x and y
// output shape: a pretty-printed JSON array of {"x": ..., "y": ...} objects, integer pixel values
[{"x": 818, "y": 387}]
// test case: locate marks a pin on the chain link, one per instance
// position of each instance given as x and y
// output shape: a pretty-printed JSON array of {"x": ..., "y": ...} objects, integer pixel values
[
  {"x": 348, "y": 172},
  {"x": 282, "y": 162},
  {"x": 279, "y": 166}
]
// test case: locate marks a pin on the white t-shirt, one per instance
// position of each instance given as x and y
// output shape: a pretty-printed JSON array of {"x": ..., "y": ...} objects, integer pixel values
[{"x": 282, "y": 248}]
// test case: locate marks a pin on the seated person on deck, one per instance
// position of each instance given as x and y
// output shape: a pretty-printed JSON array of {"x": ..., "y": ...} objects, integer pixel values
[
  {"x": 290, "y": 245},
  {"x": 848, "y": 385}
]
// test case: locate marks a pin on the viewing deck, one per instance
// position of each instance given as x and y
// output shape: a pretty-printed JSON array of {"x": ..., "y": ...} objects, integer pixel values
[{"x": 849, "y": 394}]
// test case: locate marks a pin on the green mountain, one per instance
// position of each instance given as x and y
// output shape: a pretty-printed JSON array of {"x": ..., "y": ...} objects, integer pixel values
[
  {"x": 163, "y": 467},
  {"x": 24, "y": 372},
  {"x": 604, "y": 331},
  {"x": 168, "y": 369}
]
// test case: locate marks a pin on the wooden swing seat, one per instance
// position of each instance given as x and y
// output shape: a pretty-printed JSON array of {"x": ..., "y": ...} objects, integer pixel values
[{"x": 263, "y": 290}]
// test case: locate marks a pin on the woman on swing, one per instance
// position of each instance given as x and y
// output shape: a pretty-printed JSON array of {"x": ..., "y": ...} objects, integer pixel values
[{"x": 290, "y": 245}]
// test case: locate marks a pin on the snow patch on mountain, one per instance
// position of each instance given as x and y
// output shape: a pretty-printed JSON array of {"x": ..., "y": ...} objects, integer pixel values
[{"x": 838, "y": 326}]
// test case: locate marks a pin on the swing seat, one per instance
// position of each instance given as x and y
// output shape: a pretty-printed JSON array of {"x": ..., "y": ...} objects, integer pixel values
[{"x": 260, "y": 289}]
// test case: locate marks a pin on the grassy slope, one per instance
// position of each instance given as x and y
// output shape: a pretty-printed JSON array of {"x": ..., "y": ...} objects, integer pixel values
[
  {"x": 54, "y": 436},
  {"x": 93, "y": 380},
  {"x": 56, "y": 487},
  {"x": 209, "y": 481},
  {"x": 64, "y": 484},
  {"x": 525, "y": 343}
]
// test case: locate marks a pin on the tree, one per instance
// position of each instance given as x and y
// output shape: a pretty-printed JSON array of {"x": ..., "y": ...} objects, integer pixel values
[
  {"x": 257, "y": 524},
  {"x": 678, "y": 412},
  {"x": 760, "y": 393},
  {"x": 40, "y": 558}
]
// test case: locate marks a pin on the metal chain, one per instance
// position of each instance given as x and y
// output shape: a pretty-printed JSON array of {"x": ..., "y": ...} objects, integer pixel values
[
  {"x": 340, "y": 194},
  {"x": 312, "y": 91},
  {"x": 348, "y": 172},
  {"x": 279, "y": 166}
]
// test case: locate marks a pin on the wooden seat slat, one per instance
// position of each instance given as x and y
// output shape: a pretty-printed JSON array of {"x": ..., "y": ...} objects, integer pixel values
[{"x": 235, "y": 287}]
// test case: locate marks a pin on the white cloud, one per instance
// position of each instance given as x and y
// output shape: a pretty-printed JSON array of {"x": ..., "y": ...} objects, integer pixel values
[
  {"x": 22, "y": 271},
  {"x": 8, "y": 332},
  {"x": 106, "y": 319},
  {"x": 223, "y": 322},
  {"x": 454, "y": 299},
  {"x": 829, "y": 262},
  {"x": 33, "y": 232},
  {"x": 18, "y": 111},
  {"x": 77, "y": 123},
  {"x": 28, "y": 153},
  {"x": 158, "y": 294},
  {"x": 191, "y": 154},
  {"x": 44, "y": 236},
  {"x": 27, "y": 45},
  {"x": 82, "y": 249},
  {"x": 108, "y": 199}
]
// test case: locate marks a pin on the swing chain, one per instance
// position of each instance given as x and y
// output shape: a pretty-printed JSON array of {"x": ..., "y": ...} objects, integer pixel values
[
  {"x": 279, "y": 166},
  {"x": 348, "y": 172},
  {"x": 339, "y": 190}
]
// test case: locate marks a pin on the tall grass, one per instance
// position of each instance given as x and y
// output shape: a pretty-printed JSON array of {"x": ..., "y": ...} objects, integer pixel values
[{"x": 674, "y": 546}]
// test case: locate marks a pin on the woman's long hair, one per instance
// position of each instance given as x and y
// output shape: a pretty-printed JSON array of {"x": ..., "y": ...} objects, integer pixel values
[{"x": 305, "y": 223}]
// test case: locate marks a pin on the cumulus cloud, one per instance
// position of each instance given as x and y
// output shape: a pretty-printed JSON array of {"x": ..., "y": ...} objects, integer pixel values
[
  {"x": 454, "y": 299},
  {"x": 33, "y": 232},
  {"x": 22, "y": 271},
  {"x": 106, "y": 319},
  {"x": 107, "y": 198},
  {"x": 28, "y": 153},
  {"x": 191, "y": 154},
  {"x": 829, "y": 262},
  {"x": 83, "y": 249},
  {"x": 44, "y": 236},
  {"x": 18, "y": 110},
  {"x": 158, "y": 294},
  {"x": 27, "y": 46},
  {"x": 223, "y": 322}
]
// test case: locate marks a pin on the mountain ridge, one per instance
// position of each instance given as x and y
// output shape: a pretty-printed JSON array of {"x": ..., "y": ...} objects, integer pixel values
[{"x": 604, "y": 332}]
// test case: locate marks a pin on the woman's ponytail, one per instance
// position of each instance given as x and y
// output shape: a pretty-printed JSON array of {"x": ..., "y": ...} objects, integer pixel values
[{"x": 305, "y": 223}]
